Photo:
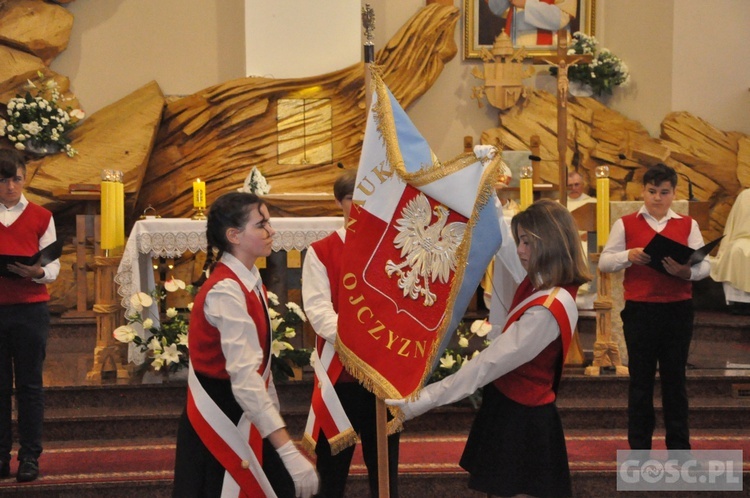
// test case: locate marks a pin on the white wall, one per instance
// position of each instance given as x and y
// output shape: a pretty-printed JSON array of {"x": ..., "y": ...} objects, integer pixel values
[
  {"x": 117, "y": 46},
  {"x": 711, "y": 62},
  {"x": 299, "y": 38}
]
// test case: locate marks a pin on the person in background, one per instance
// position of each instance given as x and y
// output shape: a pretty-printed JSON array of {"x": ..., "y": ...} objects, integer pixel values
[
  {"x": 231, "y": 438},
  {"x": 730, "y": 266},
  {"x": 25, "y": 229},
  {"x": 516, "y": 444},
  {"x": 341, "y": 408},
  {"x": 576, "y": 195},
  {"x": 658, "y": 314},
  {"x": 536, "y": 21}
]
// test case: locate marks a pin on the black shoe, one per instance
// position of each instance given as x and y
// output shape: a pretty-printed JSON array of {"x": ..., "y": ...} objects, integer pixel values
[
  {"x": 28, "y": 470},
  {"x": 4, "y": 469}
]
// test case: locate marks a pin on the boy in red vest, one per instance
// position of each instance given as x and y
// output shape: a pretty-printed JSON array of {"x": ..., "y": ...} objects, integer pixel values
[
  {"x": 342, "y": 409},
  {"x": 658, "y": 314},
  {"x": 25, "y": 228}
]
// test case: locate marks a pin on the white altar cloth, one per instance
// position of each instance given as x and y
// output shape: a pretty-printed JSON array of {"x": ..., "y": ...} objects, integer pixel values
[{"x": 172, "y": 237}]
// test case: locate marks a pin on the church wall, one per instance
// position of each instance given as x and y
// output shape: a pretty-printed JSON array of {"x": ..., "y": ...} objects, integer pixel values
[
  {"x": 711, "y": 73},
  {"x": 117, "y": 46},
  {"x": 300, "y": 39},
  {"x": 187, "y": 45},
  {"x": 640, "y": 32}
]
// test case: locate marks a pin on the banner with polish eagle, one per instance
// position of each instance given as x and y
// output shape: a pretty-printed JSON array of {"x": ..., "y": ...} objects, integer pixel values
[{"x": 420, "y": 236}]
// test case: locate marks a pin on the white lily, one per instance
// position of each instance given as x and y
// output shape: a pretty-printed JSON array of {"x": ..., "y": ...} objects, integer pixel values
[
  {"x": 124, "y": 333},
  {"x": 173, "y": 284},
  {"x": 141, "y": 300},
  {"x": 481, "y": 327},
  {"x": 447, "y": 361}
]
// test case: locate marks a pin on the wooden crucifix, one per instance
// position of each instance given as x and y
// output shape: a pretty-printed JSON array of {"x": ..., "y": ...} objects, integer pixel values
[{"x": 563, "y": 60}]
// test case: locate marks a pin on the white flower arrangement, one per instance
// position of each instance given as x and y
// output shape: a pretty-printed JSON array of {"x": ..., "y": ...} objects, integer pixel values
[
  {"x": 604, "y": 73},
  {"x": 454, "y": 359},
  {"x": 283, "y": 327},
  {"x": 255, "y": 183},
  {"x": 36, "y": 121},
  {"x": 167, "y": 347}
]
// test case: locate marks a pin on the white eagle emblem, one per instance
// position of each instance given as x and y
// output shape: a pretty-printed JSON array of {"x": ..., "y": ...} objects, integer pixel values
[{"x": 429, "y": 250}]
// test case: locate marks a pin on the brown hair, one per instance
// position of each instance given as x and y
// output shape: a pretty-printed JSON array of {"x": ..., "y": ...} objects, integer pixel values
[
  {"x": 10, "y": 161},
  {"x": 556, "y": 253},
  {"x": 344, "y": 184}
]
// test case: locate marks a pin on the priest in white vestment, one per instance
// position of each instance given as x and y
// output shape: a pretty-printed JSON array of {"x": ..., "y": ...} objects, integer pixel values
[{"x": 731, "y": 266}]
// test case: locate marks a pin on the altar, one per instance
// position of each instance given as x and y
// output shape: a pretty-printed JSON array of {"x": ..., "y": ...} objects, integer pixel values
[{"x": 173, "y": 237}]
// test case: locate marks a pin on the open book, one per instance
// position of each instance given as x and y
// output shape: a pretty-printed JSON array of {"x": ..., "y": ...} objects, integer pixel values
[
  {"x": 46, "y": 256},
  {"x": 661, "y": 247}
]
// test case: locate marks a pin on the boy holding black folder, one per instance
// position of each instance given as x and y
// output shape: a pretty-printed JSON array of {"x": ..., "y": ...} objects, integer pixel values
[
  {"x": 25, "y": 228},
  {"x": 658, "y": 314}
]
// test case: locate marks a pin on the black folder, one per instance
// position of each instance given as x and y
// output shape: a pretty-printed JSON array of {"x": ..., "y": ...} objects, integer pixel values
[
  {"x": 46, "y": 256},
  {"x": 661, "y": 247}
]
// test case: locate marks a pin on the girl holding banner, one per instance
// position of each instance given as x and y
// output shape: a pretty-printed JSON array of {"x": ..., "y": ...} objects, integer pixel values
[{"x": 516, "y": 444}]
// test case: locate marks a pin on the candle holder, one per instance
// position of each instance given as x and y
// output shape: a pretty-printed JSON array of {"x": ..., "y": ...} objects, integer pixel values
[{"x": 199, "y": 214}]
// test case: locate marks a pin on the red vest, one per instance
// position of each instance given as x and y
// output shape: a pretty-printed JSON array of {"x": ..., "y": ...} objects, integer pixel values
[
  {"x": 330, "y": 250},
  {"x": 204, "y": 339},
  {"x": 643, "y": 283},
  {"x": 534, "y": 383},
  {"x": 22, "y": 239}
]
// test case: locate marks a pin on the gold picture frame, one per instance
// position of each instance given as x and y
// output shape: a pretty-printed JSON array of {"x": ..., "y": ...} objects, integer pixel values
[{"x": 481, "y": 27}]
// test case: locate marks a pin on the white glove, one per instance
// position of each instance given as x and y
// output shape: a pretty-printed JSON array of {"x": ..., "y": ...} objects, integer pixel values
[
  {"x": 485, "y": 152},
  {"x": 303, "y": 473},
  {"x": 411, "y": 409}
]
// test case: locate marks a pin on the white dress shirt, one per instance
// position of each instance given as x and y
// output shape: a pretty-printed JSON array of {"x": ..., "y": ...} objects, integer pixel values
[
  {"x": 316, "y": 294},
  {"x": 226, "y": 309}
]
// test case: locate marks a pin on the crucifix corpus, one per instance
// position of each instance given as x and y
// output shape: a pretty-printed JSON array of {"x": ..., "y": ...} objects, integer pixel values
[{"x": 563, "y": 60}]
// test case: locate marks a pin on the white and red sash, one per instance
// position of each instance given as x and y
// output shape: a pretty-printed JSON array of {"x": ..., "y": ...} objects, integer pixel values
[
  {"x": 237, "y": 447},
  {"x": 326, "y": 412},
  {"x": 561, "y": 304}
]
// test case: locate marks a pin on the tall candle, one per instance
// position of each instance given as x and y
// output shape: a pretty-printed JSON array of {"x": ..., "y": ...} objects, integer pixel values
[
  {"x": 526, "y": 184},
  {"x": 119, "y": 210},
  {"x": 199, "y": 194},
  {"x": 108, "y": 211},
  {"x": 602, "y": 206}
]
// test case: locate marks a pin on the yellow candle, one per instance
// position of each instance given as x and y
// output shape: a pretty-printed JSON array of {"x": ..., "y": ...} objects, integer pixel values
[
  {"x": 527, "y": 192},
  {"x": 602, "y": 211},
  {"x": 199, "y": 194},
  {"x": 108, "y": 212},
  {"x": 119, "y": 211}
]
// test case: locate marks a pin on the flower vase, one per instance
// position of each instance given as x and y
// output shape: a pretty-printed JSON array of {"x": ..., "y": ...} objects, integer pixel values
[
  {"x": 180, "y": 375},
  {"x": 578, "y": 89},
  {"x": 41, "y": 149}
]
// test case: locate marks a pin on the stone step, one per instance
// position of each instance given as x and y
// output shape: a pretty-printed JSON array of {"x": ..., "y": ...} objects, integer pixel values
[{"x": 160, "y": 417}]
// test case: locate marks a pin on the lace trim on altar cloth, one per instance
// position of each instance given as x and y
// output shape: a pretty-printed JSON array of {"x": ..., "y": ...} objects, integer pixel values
[{"x": 297, "y": 239}]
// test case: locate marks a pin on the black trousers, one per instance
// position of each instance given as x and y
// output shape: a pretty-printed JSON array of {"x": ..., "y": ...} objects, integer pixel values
[
  {"x": 23, "y": 341},
  {"x": 359, "y": 405},
  {"x": 658, "y": 333}
]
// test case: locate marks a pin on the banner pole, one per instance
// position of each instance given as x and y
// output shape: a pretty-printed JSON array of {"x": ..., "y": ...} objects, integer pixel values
[
  {"x": 381, "y": 419},
  {"x": 381, "y": 412}
]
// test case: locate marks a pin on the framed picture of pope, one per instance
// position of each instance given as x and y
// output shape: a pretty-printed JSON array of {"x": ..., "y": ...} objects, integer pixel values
[{"x": 532, "y": 24}]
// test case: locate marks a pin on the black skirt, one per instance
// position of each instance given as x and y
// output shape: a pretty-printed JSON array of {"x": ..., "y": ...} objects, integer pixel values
[{"x": 514, "y": 449}]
